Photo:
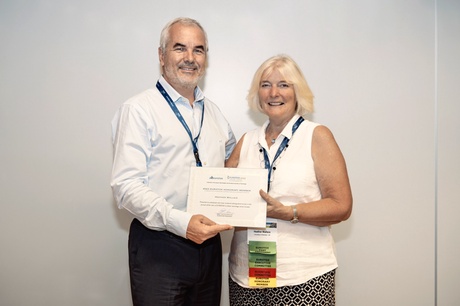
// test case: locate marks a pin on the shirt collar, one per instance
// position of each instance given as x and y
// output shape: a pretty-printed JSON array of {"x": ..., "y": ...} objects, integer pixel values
[
  {"x": 175, "y": 96},
  {"x": 286, "y": 132}
]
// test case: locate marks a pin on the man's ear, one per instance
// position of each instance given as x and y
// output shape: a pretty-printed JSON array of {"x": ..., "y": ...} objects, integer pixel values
[{"x": 160, "y": 57}]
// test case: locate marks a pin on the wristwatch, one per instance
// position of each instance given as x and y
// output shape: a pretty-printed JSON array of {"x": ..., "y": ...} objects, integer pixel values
[{"x": 295, "y": 219}]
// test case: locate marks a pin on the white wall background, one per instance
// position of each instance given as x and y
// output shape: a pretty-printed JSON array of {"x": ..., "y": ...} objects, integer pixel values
[{"x": 385, "y": 75}]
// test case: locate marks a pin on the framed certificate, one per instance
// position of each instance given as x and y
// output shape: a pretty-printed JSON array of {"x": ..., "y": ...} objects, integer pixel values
[{"x": 228, "y": 195}]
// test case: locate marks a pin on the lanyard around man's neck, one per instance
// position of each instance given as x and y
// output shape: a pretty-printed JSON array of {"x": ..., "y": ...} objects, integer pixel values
[{"x": 184, "y": 124}]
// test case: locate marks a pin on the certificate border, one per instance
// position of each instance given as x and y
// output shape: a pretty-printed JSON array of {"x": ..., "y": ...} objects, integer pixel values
[{"x": 224, "y": 215}]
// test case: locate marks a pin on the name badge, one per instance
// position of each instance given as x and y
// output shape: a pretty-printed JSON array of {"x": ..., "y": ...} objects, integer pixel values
[{"x": 262, "y": 255}]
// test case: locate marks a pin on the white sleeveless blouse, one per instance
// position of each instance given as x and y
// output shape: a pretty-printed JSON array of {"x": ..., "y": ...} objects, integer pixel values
[{"x": 303, "y": 251}]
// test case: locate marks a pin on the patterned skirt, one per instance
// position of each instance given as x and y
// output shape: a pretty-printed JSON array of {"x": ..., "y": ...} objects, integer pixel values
[{"x": 318, "y": 291}]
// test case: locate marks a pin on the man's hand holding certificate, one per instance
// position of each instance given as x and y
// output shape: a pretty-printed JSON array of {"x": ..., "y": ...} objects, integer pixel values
[{"x": 228, "y": 195}]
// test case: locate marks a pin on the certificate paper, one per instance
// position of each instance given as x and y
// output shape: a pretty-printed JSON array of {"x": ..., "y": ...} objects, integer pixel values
[{"x": 228, "y": 195}]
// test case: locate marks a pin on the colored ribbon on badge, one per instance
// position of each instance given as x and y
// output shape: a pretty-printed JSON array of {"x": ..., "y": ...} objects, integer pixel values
[{"x": 262, "y": 256}]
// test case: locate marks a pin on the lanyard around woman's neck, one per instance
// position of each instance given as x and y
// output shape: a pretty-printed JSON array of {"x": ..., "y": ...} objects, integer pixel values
[
  {"x": 281, "y": 148},
  {"x": 184, "y": 124}
]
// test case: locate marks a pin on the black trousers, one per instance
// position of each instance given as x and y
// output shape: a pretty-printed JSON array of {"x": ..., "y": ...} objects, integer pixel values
[{"x": 168, "y": 270}]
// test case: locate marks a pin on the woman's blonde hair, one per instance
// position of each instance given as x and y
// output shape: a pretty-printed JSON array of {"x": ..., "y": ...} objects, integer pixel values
[{"x": 292, "y": 74}]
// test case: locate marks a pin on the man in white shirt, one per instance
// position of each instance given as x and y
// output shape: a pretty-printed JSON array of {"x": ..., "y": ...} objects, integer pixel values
[{"x": 175, "y": 258}]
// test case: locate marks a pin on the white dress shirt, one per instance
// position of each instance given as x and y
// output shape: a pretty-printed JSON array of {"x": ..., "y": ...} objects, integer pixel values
[{"x": 153, "y": 154}]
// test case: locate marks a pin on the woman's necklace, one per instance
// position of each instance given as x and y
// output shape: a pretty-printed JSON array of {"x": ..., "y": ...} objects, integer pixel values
[{"x": 271, "y": 135}]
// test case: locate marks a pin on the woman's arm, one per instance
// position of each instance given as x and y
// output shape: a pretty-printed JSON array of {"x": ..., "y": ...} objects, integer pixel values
[{"x": 336, "y": 199}]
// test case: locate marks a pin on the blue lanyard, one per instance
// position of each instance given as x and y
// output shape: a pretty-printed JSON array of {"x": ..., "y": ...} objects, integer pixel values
[
  {"x": 184, "y": 124},
  {"x": 281, "y": 148}
]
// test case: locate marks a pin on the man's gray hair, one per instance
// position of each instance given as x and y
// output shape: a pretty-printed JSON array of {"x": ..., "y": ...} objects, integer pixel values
[{"x": 164, "y": 37}]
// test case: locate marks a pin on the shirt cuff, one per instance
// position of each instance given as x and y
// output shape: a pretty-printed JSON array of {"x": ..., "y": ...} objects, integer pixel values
[{"x": 178, "y": 222}]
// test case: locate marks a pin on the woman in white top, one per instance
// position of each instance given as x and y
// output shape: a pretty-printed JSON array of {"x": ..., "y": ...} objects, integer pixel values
[{"x": 308, "y": 191}]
